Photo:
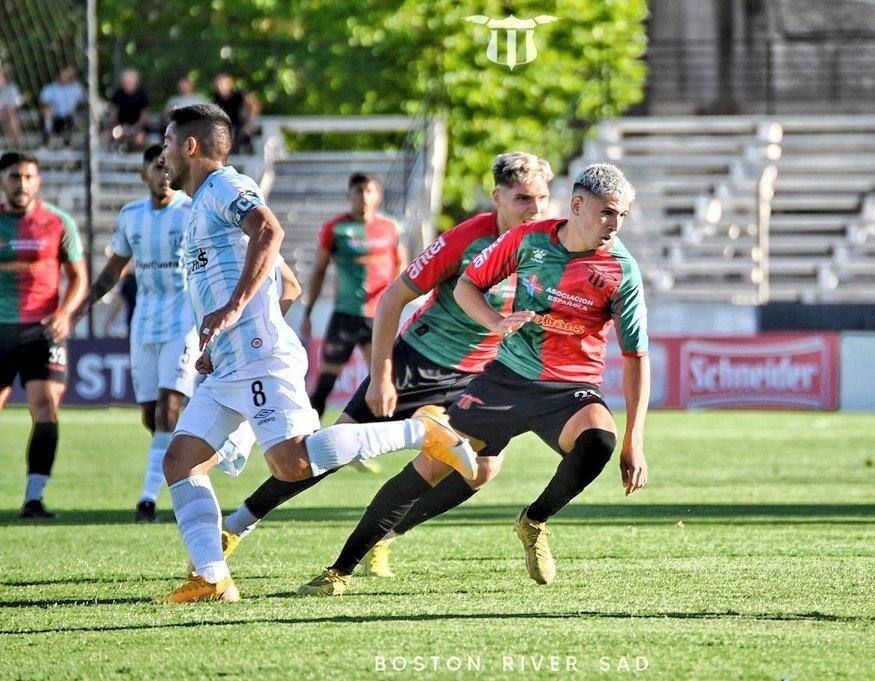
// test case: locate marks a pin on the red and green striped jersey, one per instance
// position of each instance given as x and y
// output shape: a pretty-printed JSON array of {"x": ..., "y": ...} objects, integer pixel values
[
  {"x": 440, "y": 329},
  {"x": 32, "y": 247},
  {"x": 365, "y": 260},
  {"x": 576, "y": 298}
]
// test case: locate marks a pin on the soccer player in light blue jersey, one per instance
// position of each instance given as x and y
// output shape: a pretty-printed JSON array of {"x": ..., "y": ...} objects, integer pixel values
[
  {"x": 230, "y": 247},
  {"x": 163, "y": 337}
]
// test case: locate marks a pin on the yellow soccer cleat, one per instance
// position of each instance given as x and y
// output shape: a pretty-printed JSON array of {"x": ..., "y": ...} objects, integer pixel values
[
  {"x": 230, "y": 542},
  {"x": 329, "y": 583},
  {"x": 539, "y": 560},
  {"x": 444, "y": 444},
  {"x": 196, "y": 588},
  {"x": 376, "y": 561}
]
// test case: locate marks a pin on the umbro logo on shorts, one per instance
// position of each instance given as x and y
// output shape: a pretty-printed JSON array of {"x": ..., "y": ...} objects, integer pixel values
[
  {"x": 584, "y": 394},
  {"x": 263, "y": 413}
]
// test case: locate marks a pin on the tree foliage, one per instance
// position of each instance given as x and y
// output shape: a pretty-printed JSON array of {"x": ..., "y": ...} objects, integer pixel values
[{"x": 401, "y": 56}]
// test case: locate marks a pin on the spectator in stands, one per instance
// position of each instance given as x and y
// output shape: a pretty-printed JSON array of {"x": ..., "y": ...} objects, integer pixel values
[
  {"x": 10, "y": 101},
  {"x": 59, "y": 101},
  {"x": 232, "y": 102},
  {"x": 128, "y": 119},
  {"x": 186, "y": 95}
]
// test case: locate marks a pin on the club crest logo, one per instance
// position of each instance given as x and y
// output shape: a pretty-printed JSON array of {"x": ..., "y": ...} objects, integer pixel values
[
  {"x": 532, "y": 284},
  {"x": 511, "y": 27}
]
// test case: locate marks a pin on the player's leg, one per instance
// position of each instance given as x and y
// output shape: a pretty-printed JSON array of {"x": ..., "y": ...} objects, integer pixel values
[
  {"x": 43, "y": 401},
  {"x": 337, "y": 347},
  {"x": 165, "y": 375},
  {"x": 201, "y": 431},
  {"x": 585, "y": 437}
]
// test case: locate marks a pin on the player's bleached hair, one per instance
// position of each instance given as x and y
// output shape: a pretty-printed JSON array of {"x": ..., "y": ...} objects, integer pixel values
[
  {"x": 603, "y": 178},
  {"x": 519, "y": 165},
  {"x": 209, "y": 124}
]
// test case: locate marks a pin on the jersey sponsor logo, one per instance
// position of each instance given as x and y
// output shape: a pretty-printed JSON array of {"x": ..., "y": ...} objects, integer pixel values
[
  {"x": 558, "y": 325},
  {"x": 27, "y": 244},
  {"x": 483, "y": 256},
  {"x": 415, "y": 268},
  {"x": 157, "y": 265},
  {"x": 198, "y": 263},
  {"x": 532, "y": 285},
  {"x": 465, "y": 401},
  {"x": 554, "y": 295},
  {"x": 245, "y": 202}
]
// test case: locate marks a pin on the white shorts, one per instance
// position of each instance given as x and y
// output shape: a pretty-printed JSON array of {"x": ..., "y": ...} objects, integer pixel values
[
  {"x": 275, "y": 404},
  {"x": 168, "y": 365},
  {"x": 234, "y": 453}
]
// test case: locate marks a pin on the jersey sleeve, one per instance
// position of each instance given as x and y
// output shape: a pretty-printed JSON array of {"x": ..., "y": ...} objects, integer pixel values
[
  {"x": 326, "y": 236},
  {"x": 438, "y": 262},
  {"x": 497, "y": 262},
  {"x": 237, "y": 199},
  {"x": 120, "y": 244},
  {"x": 71, "y": 244},
  {"x": 629, "y": 312}
]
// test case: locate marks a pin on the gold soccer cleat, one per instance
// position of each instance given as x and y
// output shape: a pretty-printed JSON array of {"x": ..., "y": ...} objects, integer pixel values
[
  {"x": 329, "y": 583},
  {"x": 539, "y": 560},
  {"x": 230, "y": 542},
  {"x": 444, "y": 444},
  {"x": 196, "y": 588}
]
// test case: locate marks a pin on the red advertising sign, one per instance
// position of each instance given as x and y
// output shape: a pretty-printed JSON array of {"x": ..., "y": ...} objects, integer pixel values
[{"x": 796, "y": 370}]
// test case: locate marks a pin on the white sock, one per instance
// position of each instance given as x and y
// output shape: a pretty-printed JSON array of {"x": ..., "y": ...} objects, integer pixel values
[
  {"x": 343, "y": 443},
  {"x": 199, "y": 518},
  {"x": 241, "y": 522},
  {"x": 154, "y": 479},
  {"x": 36, "y": 483}
]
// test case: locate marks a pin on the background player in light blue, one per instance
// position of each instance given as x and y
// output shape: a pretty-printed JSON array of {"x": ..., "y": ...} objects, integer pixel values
[
  {"x": 163, "y": 338},
  {"x": 231, "y": 247}
]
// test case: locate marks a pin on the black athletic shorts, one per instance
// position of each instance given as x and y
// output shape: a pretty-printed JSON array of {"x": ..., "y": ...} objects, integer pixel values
[
  {"x": 418, "y": 380},
  {"x": 500, "y": 404},
  {"x": 25, "y": 352},
  {"x": 345, "y": 331}
]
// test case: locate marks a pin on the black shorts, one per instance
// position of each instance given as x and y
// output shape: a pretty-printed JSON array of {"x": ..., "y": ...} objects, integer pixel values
[
  {"x": 418, "y": 380},
  {"x": 500, "y": 404},
  {"x": 25, "y": 352},
  {"x": 345, "y": 331}
]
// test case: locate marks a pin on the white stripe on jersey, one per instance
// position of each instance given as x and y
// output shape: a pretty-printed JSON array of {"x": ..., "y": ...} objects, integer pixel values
[
  {"x": 153, "y": 238},
  {"x": 214, "y": 251}
]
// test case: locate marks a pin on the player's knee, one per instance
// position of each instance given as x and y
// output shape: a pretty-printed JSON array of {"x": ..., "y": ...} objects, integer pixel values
[
  {"x": 288, "y": 461},
  {"x": 431, "y": 470},
  {"x": 175, "y": 464},
  {"x": 593, "y": 448},
  {"x": 148, "y": 418},
  {"x": 487, "y": 468}
]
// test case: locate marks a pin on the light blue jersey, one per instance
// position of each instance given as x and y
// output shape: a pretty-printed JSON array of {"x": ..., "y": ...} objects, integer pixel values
[
  {"x": 153, "y": 238},
  {"x": 214, "y": 252}
]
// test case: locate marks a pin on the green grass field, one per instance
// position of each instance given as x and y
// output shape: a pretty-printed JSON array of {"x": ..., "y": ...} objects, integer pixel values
[{"x": 751, "y": 554}]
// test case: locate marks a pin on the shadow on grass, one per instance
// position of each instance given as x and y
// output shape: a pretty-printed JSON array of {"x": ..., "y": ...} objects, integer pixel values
[
  {"x": 589, "y": 514},
  {"x": 813, "y": 616}
]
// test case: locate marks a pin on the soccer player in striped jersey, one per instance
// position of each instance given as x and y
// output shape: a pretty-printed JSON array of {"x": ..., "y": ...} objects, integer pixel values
[
  {"x": 575, "y": 280},
  {"x": 37, "y": 242},
  {"x": 230, "y": 248},
  {"x": 368, "y": 255},
  {"x": 163, "y": 337},
  {"x": 438, "y": 352}
]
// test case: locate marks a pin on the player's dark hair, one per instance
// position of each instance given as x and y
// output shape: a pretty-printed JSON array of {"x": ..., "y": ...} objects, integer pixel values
[
  {"x": 209, "y": 125},
  {"x": 151, "y": 153},
  {"x": 361, "y": 178},
  {"x": 14, "y": 158}
]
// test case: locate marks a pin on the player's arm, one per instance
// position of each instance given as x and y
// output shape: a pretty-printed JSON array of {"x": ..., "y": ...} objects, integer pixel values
[
  {"x": 108, "y": 277},
  {"x": 265, "y": 236},
  {"x": 291, "y": 287},
  {"x": 381, "y": 396},
  {"x": 636, "y": 389},
  {"x": 493, "y": 265},
  {"x": 60, "y": 322},
  {"x": 400, "y": 258},
  {"x": 314, "y": 290}
]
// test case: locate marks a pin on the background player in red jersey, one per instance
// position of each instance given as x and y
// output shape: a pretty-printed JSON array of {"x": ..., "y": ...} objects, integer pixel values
[
  {"x": 575, "y": 280},
  {"x": 438, "y": 352},
  {"x": 368, "y": 255},
  {"x": 37, "y": 241}
]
